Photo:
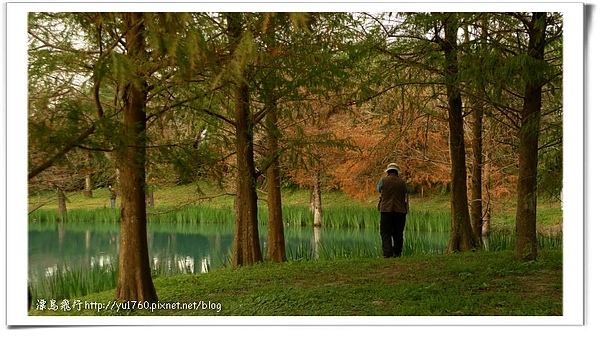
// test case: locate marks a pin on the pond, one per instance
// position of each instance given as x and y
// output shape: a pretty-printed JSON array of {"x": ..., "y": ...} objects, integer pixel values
[{"x": 177, "y": 249}]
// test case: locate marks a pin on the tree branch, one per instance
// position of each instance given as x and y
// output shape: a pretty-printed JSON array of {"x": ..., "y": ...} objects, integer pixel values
[
  {"x": 219, "y": 116},
  {"x": 48, "y": 163},
  {"x": 50, "y": 45}
]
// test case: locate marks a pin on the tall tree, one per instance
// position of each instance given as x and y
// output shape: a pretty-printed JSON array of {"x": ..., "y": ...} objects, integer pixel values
[
  {"x": 461, "y": 235},
  {"x": 476, "y": 172},
  {"x": 526, "y": 245},
  {"x": 474, "y": 61},
  {"x": 135, "y": 279},
  {"x": 275, "y": 235},
  {"x": 246, "y": 243}
]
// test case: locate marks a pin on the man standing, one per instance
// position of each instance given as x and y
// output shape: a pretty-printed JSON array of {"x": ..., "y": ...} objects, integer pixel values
[{"x": 393, "y": 206}]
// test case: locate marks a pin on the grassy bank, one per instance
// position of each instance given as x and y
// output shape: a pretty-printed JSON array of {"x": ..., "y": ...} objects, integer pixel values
[
  {"x": 73, "y": 280},
  {"x": 464, "y": 284}
]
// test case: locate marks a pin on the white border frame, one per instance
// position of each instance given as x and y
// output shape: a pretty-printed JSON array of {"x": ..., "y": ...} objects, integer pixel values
[{"x": 16, "y": 164}]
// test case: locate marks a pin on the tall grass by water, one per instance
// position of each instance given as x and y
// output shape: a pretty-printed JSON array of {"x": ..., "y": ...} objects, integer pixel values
[
  {"x": 333, "y": 217},
  {"x": 64, "y": 282},
  {"x": 366, "y": 243}
]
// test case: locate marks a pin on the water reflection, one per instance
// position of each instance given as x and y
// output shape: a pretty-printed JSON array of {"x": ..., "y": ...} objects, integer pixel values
[
  {"x": 102, "y": 261},
  {"x": 316, "y": 242},
  {"x": 70, "y": 247}
]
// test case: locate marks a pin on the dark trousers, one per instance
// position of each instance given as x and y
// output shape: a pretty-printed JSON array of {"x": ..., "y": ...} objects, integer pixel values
[{"x": 391, "y": 230}]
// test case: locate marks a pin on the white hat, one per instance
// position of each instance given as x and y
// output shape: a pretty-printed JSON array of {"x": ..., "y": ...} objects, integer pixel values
[{"x": 392, "y": 166}]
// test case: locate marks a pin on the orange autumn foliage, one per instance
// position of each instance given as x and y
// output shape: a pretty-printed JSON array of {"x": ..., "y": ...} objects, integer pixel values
[{"x": 419, "y": 145}]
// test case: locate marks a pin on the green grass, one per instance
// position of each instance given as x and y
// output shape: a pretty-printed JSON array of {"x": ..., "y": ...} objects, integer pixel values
[{"x": 463, "y": 284}]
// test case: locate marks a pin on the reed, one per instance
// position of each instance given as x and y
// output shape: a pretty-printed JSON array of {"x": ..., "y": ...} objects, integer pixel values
[
  {"x": 304, "y": 251},
  {"x": 424, "y": 243},
  {"x": 505, "y": 241},
  {"x": 194, "y": 214},
  {"x": 65, "y": 282},
  {"x": 296, "y": 216},
  {"x": 100, "y": 215},
  {"x": 340, "y": 217},
  {"x": 550, "y": 242},
  {"x": 355, "y": 243}
]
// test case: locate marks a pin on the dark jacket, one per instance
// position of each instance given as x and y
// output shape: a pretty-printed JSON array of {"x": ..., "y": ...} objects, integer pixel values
[{"x": 394, "y": 194}]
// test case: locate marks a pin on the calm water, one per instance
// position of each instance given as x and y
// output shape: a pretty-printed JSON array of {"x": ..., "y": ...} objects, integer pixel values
[{"x": 176, "y": 249}]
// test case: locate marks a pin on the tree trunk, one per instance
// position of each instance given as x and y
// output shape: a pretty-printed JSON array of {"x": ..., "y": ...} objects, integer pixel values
[
  {"x": 150, "y": 198},
  {"x": 88, "y": 177},
  {"x": 88, "y": 186},
  {"x": 316, "y": 201},
  {"x": 275, "y": 236},
  {"x": 461, "y": 237},
  {"x": 135, "y": 280},
  {"x": 480, "y": 219},
  {"x": 526, "y": 244},
  {"x": 246, "y": 249},
  {"x": 476, "y": 141},
  {"x": 476, "y": 178},
  {"x": 487, "y": 214},
  {"x": 62, "y": 204},
  {"x": 246, "y": 245}
]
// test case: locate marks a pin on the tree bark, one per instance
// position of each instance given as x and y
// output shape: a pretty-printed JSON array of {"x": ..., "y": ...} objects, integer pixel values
[
  {"x": 88, "y": 186},
  {"x": 476, "y": 178},
  {"x": 88, "y": 177},
  {"x": 150, "y": 198},
  {"x": 246, "y": 245},
  {"x": 480, "y": 219},
  {"x": 275, "y": 236},
  {"x": 246, "y": 250},
  {"x": 526, "y": 243},
  {"x": 135, "y": 280},
  {"x": 487, "y": 214},
  {"x": 316, "y": 204},
  {"x": 461, "y": 236},
  {"x": 62, "y": 204}
]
